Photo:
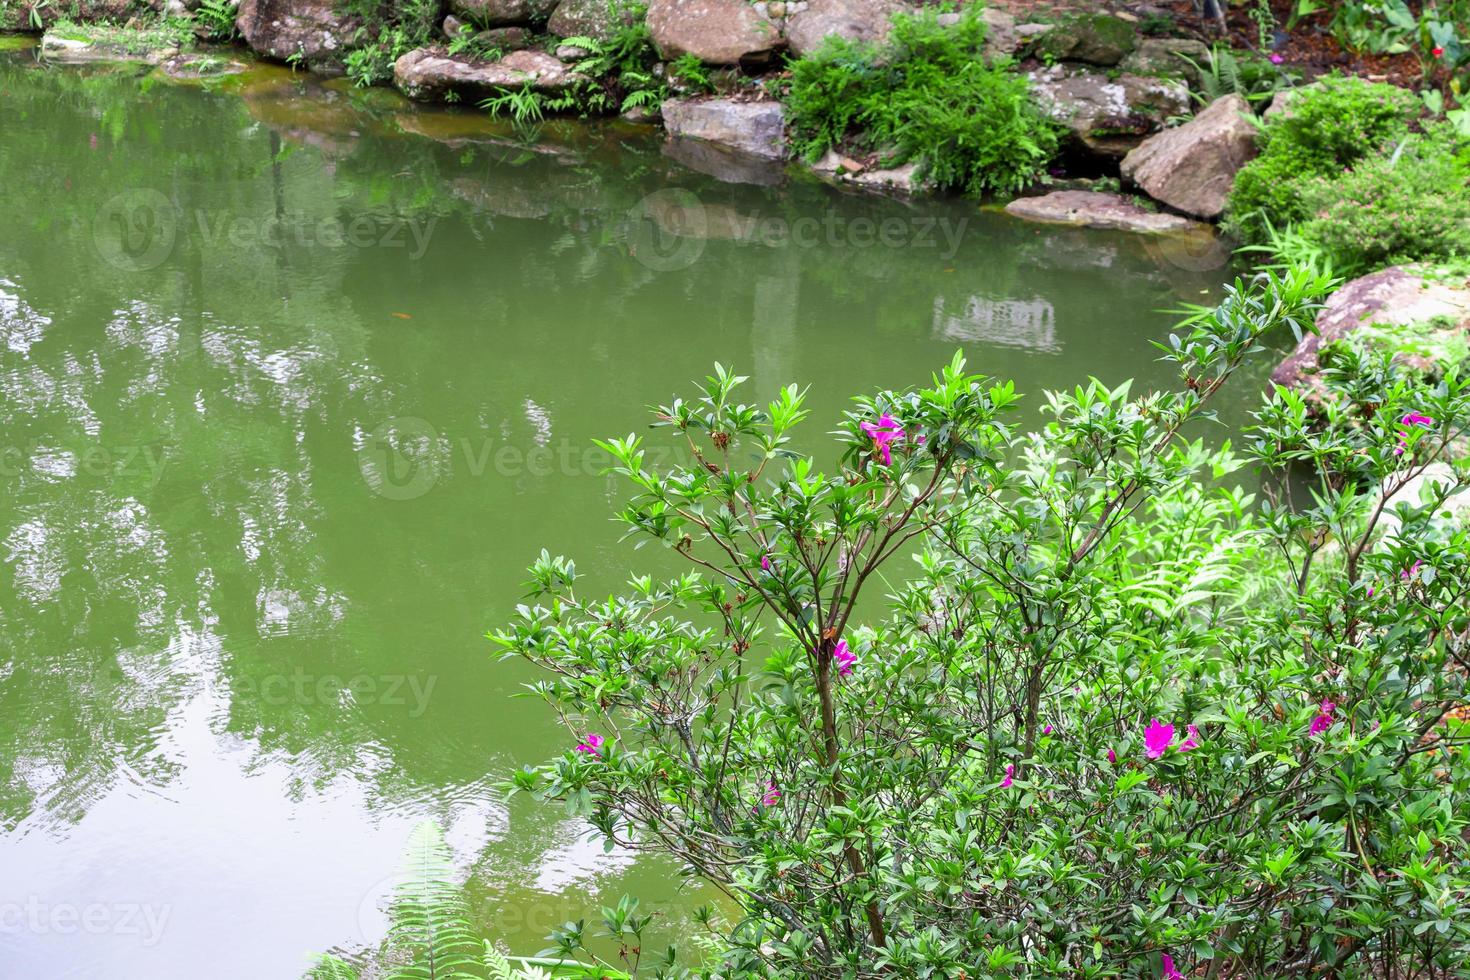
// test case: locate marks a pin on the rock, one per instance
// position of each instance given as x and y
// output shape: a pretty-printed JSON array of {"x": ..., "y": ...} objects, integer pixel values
[
  {"x": 904, "y": 180},
  {"x": 570, "y": 52},
  {"x": 640, "y": 114},
  {"x": 192, "y": 67},
  {"x": 1191, "y": 167},
  {"x": 504, "y": 38},
  {"x": 453, "y": 27},
  {"x": 856, "y": 20},
  {"x": 1165, "y": 57},
  {"x": 717, "y": 32},
  {"x": 596, "y": 19},
  {"x": 1456, "y": 506},
  {"x": 78, "y": 51},
  {"x": 754, "y": 128},
  {"x": 176, "y": 8},
  {"x": 1098, "y": 39},
  {"x": 1109, "y": 117},
  {"x": 430, "y": 73},
  {"x": 723, "y": 163},
  {"x": 312, "y": 30},
  {"x": 498, "y": 13},
  {"x": 1281, "y": 102},
  {"x": 1089, "y": 209},
  {"x": 1397, "y": 296}
]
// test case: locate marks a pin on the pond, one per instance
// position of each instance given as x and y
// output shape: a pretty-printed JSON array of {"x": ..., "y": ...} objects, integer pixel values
[{"x": 297, "y": 379}]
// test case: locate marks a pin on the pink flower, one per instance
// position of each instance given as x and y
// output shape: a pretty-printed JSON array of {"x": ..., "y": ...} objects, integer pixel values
[
  {"x": 1010, "y": 771},
  {"x": 1046, "y": 730},
  {"x": 1370, "y": 591},
  {"x": 765, "y": 563},
  {"x": 1167, "y": 962},
  {"x": 1276, "y": 59},
  {"x": 1112, "y": 756},
  {"x": 844, "y": 658},
  {"x": 1323, "y": 721},
  {"x": 1192, "y": 741},
  {"x": 1157, "y": 738},
  {"x": 1406, "y": 423},
  {"x": 771, "y": 796},
  {"x": 1438, "y": 52},
  {"x": 1409, "y": 572},
  {"x": 886, "y": 432},
  {"x": 591, "y": 744}
]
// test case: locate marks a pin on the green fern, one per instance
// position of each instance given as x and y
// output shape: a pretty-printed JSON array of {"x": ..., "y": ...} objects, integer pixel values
[{"x": 429, "y": 920}]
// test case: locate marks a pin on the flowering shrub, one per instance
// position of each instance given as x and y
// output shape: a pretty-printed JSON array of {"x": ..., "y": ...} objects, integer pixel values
[{"x": 1121, "y": 718}]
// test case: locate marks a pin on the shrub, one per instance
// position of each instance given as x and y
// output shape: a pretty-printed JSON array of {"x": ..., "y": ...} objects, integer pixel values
[
  {"x": 1328, "y": 127},
  {"x": 389, "y": 29},
  {"x": 926, "y": 95},
  {"x": 1122, "y": 719},
  {"x": 1414, "y": 204}
]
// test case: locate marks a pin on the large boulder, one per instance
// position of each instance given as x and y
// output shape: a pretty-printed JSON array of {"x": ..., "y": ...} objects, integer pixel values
[
  {"x": 1192, "y": 167},
  {"x": 717, "y": 32},
  {"x": 753, "y": 128},
  {"x": 312, "y": 30},
  {"x": 1107, "y": 116},
  {"x": 497, "y": 13},
  {"x": 1090, "y": 209},
  {"x": 597, "y": 19},
  {"x": 856, "y": 20},
  {"x": 1098, "y": 39},
  {"x": 431, "y": 73},
  {"x": 1395, "y": 297}
]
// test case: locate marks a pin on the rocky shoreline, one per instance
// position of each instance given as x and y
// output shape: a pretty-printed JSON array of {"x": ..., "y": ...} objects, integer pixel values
[{"x": 1117, "y": 94}]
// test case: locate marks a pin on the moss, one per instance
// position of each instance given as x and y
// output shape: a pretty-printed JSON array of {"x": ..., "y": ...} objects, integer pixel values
[
  {"x": 166, "y": 33},
  {"x": 1440, "y": 341}
]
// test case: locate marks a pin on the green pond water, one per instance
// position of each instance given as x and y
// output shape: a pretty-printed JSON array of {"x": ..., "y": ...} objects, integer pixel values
[{"x": 294, "y": 382}]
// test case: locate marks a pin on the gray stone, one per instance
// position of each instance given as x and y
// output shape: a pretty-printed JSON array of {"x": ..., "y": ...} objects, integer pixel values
[
  {"x": 1108, "y": 116},
  {"x": 311, "y": 30},
  {"x": 453, "y": 26},
  {"x": 1165, "y": 56},
  {"x": 498, "y": 13},
  {"x": 1396, "y": 296},
  {"x": 1089, "y": 209},
  {"x": 717, "y": 32},
  {"x": 1098, "y": 39},
  {"x": 1192, "y": 167},
  {"x": 596, "y": 19},
  {"x": 430, "y": 73},
  {"x": 855, "y": 20},
  {"x": 504, "y": 38},
  {"x": 753, "y": 128},
  {"x": 723, "y": 163}
]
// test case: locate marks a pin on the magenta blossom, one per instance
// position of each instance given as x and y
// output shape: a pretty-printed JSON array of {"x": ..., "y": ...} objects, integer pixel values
[
  {"x": 1408, "y": 422},
  {"x": 591, "y": 744},
  {"x": 1112, "y": 756},
  {"x": 1157, "y": 738},
  {"x": 771, "y": 796},
  {"x": 844, "y": 658},
  {"x": 1046, "y": 730},
  {"x": 1412, "y": 570},
  {"x": 1276, "y": 59},
  {"x": 883, "y": 434},
  {"x": 765, "y": 563},
  {"x": 1323, "y": 721},
  {"x": 1010, "y": 772},
  {"x": 1167, "y": 962},
  {"x": 1191, "y": 741}
]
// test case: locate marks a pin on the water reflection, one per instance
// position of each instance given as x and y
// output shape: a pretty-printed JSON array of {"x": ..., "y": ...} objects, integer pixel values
[{"x": 234, "y": 668}]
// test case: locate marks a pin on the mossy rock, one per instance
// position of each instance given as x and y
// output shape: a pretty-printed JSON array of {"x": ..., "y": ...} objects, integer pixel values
[{"x": 1098, "y": 39}]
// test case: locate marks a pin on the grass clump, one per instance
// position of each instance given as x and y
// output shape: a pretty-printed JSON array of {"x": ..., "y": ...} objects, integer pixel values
[{"x": 925, "y": 95}]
